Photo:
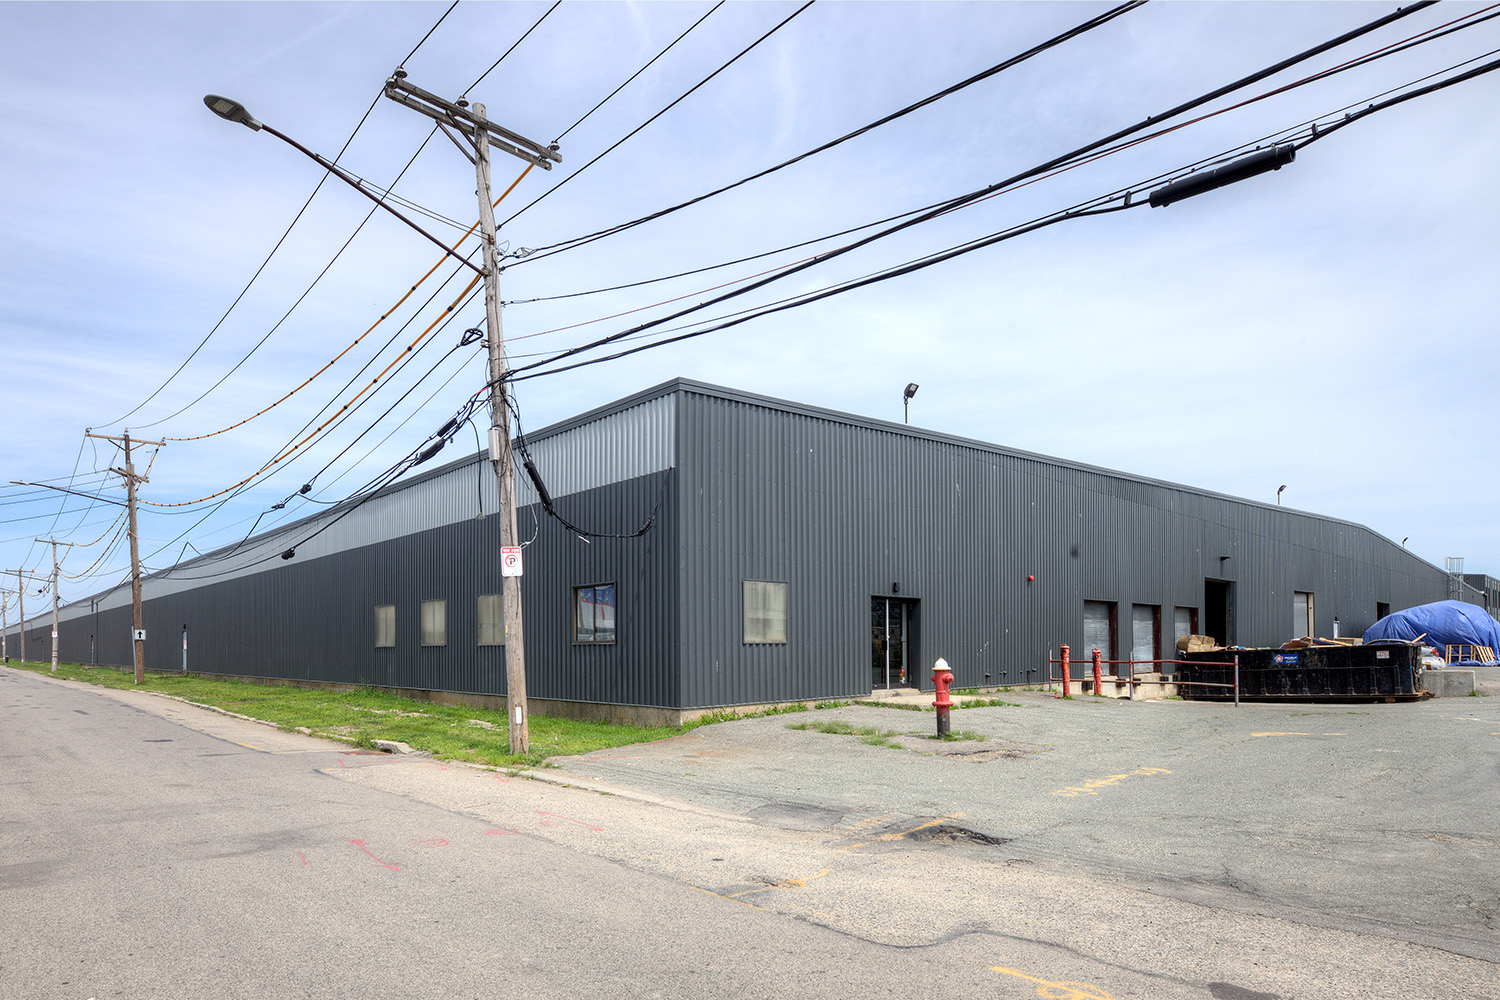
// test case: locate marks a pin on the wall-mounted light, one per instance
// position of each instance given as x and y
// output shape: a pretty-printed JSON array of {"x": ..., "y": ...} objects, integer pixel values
[{"x": 911, "y": 390}]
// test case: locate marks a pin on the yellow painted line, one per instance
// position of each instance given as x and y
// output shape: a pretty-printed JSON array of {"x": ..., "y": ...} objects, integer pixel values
[
  {"x": 730, "y": 898},
  {"x": 251, "y": 746},
  {"x": 1059, "y": 990},
  {"x": 1281, "y": 734},
  {"x": 1089, "y": 787},
  {"x": 801, "y": 883}
]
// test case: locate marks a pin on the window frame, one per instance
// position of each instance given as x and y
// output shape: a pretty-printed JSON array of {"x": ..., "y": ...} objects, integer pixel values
[
  {"x": 766, "y": 633},
  {"x": 425, "y": 635},
  {"x": 594, "y": 636},
  {"x": 390, "y": 620},
  {"x": 497, "y": 627}
]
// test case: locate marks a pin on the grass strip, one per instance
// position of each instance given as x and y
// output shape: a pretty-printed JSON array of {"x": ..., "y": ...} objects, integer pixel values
[{"x": 361, "y": 716}]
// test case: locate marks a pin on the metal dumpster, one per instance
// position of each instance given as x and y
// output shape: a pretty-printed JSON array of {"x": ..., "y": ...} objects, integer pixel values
[{"x": 1384, "y": 672}]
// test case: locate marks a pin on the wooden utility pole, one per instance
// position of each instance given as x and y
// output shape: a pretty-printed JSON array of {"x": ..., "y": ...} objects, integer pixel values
[
  {"x": 55, "y": 544},
  {"x": 138, "y": 632},
  {"x": 4, "y": 625},
  {"x": 482, "y": 133},
  {"x": 21, "y": 576},
  {"x": 21, "y": 596}
]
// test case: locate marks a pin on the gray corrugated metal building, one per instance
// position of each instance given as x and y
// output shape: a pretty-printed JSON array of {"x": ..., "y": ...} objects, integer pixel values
[{"x": 796, "y": 554}]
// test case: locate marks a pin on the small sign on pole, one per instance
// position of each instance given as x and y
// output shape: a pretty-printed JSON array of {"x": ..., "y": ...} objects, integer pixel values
[
  {"x": 138, "y": 634},
  {"x": 510, "y": 560}
]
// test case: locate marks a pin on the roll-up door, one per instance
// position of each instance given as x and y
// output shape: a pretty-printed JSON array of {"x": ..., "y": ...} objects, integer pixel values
[
  {"x": 1098, "y": 630},
  {"x": 1144, "y": 623}
]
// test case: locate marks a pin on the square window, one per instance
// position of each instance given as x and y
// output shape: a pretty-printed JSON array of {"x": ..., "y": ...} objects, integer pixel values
[
  {"x": 434, "y": 623},
  {"x": 385, "y": 626},
  {"x": 594, "y": 613},
  {"x": 492, "y": 619},
  {"x": 765, "y": 611}
]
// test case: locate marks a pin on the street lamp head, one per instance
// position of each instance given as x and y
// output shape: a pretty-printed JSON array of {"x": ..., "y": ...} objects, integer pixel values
[
  {"x": 232, "y": 111},
  {"x": 911, "y": 390}
]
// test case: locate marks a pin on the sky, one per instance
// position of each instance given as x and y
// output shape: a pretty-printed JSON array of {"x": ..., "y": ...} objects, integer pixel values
[{"x": 1327, "y": 327}]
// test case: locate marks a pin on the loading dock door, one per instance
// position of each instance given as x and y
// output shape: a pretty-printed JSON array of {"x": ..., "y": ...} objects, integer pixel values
[
  {"x": 1098, "y": 630},
  {"x": 1218, "y": 610}
]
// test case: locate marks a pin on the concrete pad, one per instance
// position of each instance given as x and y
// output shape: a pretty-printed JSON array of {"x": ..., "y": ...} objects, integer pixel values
[{"x": 1448, "y": 683}]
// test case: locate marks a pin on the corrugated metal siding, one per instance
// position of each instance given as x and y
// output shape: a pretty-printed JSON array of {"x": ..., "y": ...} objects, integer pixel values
[
  {"x": 845, "y": 509},
  {"x": 613, "y": 448},
  {"x": 839, "y": 508}
]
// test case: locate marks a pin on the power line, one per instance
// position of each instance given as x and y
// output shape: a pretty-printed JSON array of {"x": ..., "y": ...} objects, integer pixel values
[
  {"x": 286, "y": 315},
  {"x": 651, "y": 62},
  {"x": 508, "y": 51},
  {"x": 949, "y": 205},
  {"x": 1313, "y": 132},
  {"x": 1056, "y": 40},
  {"x": 648, "y": 121},
  {"x": 266, "y": 262}
]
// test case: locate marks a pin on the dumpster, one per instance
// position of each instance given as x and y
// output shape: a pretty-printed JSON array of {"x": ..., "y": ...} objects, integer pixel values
[{"x": 1377, "y": 672}]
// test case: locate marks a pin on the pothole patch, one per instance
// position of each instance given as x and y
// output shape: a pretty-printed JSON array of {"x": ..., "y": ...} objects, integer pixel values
[
  {"x": 952, "y": 833},
  {"x": 794, "y": 816}
]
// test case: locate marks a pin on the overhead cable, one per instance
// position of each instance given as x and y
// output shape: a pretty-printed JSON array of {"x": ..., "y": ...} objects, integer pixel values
[
  {"x": 539, "y": 253},
  {"x": 950, "y": 204},
  {"x": 663, "y": 111}
]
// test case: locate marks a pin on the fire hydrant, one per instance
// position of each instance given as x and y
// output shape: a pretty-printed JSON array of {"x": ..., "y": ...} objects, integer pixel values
[{"x": 943, "y": 678}]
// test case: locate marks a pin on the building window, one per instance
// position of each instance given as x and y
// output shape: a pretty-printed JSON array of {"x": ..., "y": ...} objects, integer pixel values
[
  {"x": 434, "y": 623},
  {"x": 491, "y": 619},
  {"x": 594, "y": 613},
  {"x": 765, "y": 611},
  {"x": 1302, "y": 614},
  {"x": 385, "y": 625},
  {"x": 1382, "y": 610}
]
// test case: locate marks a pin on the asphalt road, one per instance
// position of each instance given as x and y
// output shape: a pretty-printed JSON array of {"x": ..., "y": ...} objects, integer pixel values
[{"x": 155, "y": 850}]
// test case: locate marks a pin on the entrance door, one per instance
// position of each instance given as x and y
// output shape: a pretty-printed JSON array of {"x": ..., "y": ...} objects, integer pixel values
[{"x": 892, "y": 642}]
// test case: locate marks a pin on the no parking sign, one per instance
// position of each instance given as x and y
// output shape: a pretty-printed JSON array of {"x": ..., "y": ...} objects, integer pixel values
[{"x": 510, "y": 560}]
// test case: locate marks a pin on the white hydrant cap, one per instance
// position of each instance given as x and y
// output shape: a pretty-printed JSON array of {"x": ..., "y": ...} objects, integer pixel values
[{"x": 941, "y": 664}]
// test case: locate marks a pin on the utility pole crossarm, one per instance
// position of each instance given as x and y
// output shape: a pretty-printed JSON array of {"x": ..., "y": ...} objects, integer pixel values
[{"x": 459, "y": 117}]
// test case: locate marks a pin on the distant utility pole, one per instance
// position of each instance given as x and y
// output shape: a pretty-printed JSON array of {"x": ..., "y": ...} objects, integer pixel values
[
  {"x": 21, "y": 576},
  {"x": 4, "y": 624},
  {"x": 138, "y": 632},
  {"x": 482, "y": 133},
  {"x": 55, "y": 544}
]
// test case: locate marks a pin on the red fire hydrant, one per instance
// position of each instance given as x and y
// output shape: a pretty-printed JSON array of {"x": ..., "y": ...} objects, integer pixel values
[{"x": 943, "y": 678}]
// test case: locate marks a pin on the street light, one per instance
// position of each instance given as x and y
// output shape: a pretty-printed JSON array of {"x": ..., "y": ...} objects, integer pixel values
[
  {"x": 911, "y": 390},
  {"x": 233, "y": 111},
  {"x": 1278, "y": 494}
]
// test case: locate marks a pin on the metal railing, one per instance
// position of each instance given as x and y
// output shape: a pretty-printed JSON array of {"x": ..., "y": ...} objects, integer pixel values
[{"x": 1129, "y": 679}]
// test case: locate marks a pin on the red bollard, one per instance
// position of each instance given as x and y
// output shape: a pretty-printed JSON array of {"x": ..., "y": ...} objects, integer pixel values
[
  {"x": 1098, "y": 678},
  {"x": 1067, "y": 690},
  {"x": 943, "y": 678}
]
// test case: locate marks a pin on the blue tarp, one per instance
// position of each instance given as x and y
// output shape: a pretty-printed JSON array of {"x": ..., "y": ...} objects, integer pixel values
[{"x": 1446, "y": 623}]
